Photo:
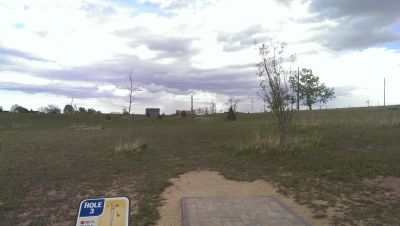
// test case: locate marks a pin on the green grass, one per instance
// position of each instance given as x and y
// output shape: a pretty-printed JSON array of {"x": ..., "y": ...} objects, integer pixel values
[{"x": 49, "y": 162}]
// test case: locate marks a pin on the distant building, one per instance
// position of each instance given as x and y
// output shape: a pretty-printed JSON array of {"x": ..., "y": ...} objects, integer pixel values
[{"x": 152, "y": 111}]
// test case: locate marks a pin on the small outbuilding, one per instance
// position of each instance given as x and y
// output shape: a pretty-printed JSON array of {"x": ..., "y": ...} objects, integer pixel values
[{"x": 152, "y": 111}]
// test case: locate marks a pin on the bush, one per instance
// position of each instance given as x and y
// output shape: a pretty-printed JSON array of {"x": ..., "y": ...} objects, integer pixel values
[
  {"x": 135, "y": 147},
  {"x": 108, "y": 117},
  {"x": 159, "y": 117},
  {"x": 183, "y": 114}
]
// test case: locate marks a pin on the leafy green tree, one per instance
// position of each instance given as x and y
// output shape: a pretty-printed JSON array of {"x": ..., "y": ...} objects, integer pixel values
[
  {"x": 311, "y": 91},
  {"x": 183, "y": 114},
  {"x": 52, "y": 109},
  {"x": 81, "y": 109},
  {"x": 18, "y": 109},
  {"x": 68, "y": 109},
  {"x": 91, "y": 111}
]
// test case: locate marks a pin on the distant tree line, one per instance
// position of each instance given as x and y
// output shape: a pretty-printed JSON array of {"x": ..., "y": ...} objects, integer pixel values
[{"x": 53, "y": 109}]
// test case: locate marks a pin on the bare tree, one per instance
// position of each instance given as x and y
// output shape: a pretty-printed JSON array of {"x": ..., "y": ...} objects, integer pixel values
[
  {"x": 232, "y": 103},
  {"x": 275, "y": 88},
  {"x": 131, "y": 100},
  {"x": 213, "y": 107}
]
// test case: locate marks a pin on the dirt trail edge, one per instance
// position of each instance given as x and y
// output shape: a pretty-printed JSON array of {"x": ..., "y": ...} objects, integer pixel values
[{"x": 211, "y": 184}]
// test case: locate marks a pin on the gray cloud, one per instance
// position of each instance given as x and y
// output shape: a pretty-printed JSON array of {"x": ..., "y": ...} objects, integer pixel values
[
  {"x": 95, "y": 9},
  {"x": 77, "y": 92},
  {"x": 179, "y": 79},
  {"x": 242, "y": 39},
  {"x": 167, "y": 47},
  {"x": 172, "y": 47},
  {"x": 9, "y": 52},
  {"x": 361, "y": 23}
]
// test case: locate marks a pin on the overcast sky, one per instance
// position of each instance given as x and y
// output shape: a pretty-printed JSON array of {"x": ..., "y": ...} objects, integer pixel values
[{"x": 53, "y": 50}]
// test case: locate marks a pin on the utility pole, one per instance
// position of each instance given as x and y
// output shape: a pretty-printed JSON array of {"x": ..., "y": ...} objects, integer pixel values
[
  {"x": 298, "y": 87},
  {"x": 191, "y": 108},
  {"x": 384, "y": 92},
  {"x": 252, "y": 101},
  {"x": 72, "y": 101}
]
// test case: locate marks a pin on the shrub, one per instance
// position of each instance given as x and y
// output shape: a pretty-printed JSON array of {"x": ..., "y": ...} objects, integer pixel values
[
  {"x": 159, "y": 117},
  {"x": 183, "y": 114},
  {"x": 108, "y": 117}
]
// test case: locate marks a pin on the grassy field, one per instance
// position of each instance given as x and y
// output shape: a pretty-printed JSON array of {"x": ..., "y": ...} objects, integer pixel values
[{"x": 48, "y": 163}]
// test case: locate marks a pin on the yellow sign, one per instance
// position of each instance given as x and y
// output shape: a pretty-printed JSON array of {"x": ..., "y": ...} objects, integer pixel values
[{"x": 104, "y": 212}]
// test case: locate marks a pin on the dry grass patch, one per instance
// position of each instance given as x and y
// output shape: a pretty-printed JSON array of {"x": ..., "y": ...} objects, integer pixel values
[
  {"x": 269, "y": 143},
  {"x": 134, "y": 147}
]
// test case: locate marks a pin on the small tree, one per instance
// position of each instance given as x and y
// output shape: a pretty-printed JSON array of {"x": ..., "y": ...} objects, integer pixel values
[
  {"x": 18, "y": 109},
  {"x": 232, "y": 103},
  {"x": 213, "y": 108},
  {"x": 275, "y": 88},
  {"x": 52, "y": 109},
  {"x": 311, "y": 91},
  {"x": 91, "y": 111},
  {"x": 82, "y": 110},
  {"x": 183, "y": 114},
  {"x": 131, "y": 99},
  {"x": 1, "y": 108},
  {"x": 68, "y": 109},
  {"x": 231, "y": 114}
]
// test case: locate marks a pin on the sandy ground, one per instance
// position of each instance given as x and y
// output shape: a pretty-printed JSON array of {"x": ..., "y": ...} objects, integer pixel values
[
  {"x": 211, "y": 184},
  {"x": 392, "y": 183}
]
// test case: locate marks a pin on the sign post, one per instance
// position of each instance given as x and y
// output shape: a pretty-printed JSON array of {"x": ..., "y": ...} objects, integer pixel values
[{"x": 104, "y": 212}]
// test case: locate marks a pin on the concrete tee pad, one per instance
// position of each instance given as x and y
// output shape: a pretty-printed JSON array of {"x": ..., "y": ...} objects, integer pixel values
[{"x": 237, "y": 211}]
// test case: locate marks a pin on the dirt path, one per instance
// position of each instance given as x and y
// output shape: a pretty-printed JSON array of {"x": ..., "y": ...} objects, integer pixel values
[{"x": 209, "y": 184}]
